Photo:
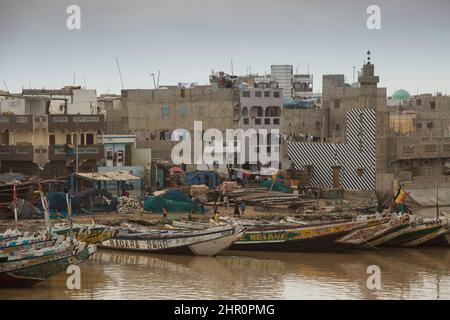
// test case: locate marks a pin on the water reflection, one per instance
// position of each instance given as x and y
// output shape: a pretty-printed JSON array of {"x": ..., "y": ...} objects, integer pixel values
[{"x": 405, "y": 274}]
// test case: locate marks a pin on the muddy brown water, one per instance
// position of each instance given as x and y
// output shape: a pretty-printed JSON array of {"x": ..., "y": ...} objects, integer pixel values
[{"x": 405, "y": 274}]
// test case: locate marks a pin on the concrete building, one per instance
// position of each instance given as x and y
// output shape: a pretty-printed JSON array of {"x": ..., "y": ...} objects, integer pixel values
[
  {"x": 262, "y": 109},
  {"x": 302, "y": 86},
  {"x": 340, "y": 107},
  {"x": 283, "y": 74},
  {"x": 46, "y": 129},
  {"x": 153, "y": 115},
  {"x": 421, "y": 153}
]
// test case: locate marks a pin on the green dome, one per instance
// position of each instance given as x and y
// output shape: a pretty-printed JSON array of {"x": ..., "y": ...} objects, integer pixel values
[{"x": 401, "y": 95}]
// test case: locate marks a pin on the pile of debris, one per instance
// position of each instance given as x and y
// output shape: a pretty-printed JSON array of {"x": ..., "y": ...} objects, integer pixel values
[{"x": 129, "y": 205}]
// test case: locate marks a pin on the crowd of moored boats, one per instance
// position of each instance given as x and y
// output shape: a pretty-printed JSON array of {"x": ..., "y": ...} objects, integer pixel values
[{"x": 27, "y": 259}]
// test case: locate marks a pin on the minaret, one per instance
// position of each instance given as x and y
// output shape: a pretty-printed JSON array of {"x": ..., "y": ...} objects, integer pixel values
[{"x": 368, "y": 83}]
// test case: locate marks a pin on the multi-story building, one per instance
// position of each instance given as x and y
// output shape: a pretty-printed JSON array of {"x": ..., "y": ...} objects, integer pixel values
[
  {"x": 283, "y": 75},
  {"x": 303, "y": 86},
  {"x": 421, "y": 148},
  {"x": 154, "y": 115},
  {"x": 262, "y": 109},
  {"x": 50, "y": 133}
]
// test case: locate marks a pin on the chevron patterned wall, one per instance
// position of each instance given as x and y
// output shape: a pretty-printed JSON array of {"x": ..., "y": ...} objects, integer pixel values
[{"x": 356, "y": 155}]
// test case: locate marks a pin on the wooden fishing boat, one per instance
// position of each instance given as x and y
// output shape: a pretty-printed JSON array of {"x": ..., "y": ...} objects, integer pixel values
[
  {"x": 31, "y": 267},
  {"x": 416, "y": 233},
  {"x": 319, "y": 237},
  {"x": 9, "y": 235},
  {"x": 91, "y": 234},
  {"x": 371, "y": 236},
  {"x": 36, "y": 241},
  {"x": 207, "y": 242}
]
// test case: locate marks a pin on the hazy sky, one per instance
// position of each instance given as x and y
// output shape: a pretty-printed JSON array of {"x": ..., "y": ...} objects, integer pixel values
[{"x": 186, "y": 39}]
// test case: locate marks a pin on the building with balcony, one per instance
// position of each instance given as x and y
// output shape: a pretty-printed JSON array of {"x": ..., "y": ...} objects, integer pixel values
[
  {"x": 37, "y": 138},
  {"x": 262, "y": 109}
]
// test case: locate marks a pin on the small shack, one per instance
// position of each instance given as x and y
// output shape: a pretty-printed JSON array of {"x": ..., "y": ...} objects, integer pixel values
[
  {"x": 208, "y": 178},
  {"x": 116, "y": 180}
]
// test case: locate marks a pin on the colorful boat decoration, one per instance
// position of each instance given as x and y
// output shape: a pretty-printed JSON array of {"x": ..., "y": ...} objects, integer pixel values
[
  {"x": 207, "y": 242},
  {"x": 37, "y": 241},
  {"x": 91, "y": 234},
  {"x": 9, "y": 235},
  {"x": 33, "y": 266},
  {"x": 371, "y": 236},
  {"x": 418, "y": 232},
  {"x": 320, "y": 237}
]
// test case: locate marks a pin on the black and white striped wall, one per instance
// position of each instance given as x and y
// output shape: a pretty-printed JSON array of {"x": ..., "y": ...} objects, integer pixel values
[{"x": 356, "y": 156}]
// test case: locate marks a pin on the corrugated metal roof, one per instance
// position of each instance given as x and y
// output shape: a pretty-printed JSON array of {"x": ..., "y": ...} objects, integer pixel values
[{"x": 108, "y": 176}]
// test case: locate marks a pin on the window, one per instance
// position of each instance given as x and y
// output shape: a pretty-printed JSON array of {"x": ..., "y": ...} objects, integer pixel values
[
  {"x": 89, "y": 138},
  {"x": 245, "y": 120},
  {"x": 276, "y": 121},
  {"x": 317, "y": 125},
  {"x": 51, "y": 139},
  {"x": 430, "y": 148},
  {"x": 69, "y": 139},
  {"x": 276, "y": 94},
  {"x": 419, "y": 102},
  {"x": 446, "y": 147},
  {"x": 257, "y": 121},
  {"x": 419, "y": 125},
  {"x": 338, "y": 127},
  {"x": 83, "y": 140},
  {"x": 246, "y": 94},
  {"x": 162, "y": 134},
  {"x": 267, "y": 94},
  {"x": 183, "y": 111},
  {"x": 267, "y": 121},
  {"x": 337, "y": 104},
  {"x": 430, "y": 125},
  {"x": 165, "y": 111},
  {"x": 432, "y": 104},
  {"x": 258, "y": 94}
]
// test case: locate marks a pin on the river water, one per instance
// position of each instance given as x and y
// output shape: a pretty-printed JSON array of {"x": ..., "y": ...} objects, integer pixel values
[{"x": 405, "y": 274}]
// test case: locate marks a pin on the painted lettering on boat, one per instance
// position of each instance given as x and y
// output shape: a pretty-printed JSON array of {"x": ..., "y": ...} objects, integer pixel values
[
  {"x": 130, "y": 244},
  {"x": 156, "y": 244},
  {"x": 268, "y": 236}
]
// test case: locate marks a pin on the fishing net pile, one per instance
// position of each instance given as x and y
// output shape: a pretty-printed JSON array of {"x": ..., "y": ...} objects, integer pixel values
[
  {"x": 129, "y": 205},
  {"x": 172, "y": 199}
]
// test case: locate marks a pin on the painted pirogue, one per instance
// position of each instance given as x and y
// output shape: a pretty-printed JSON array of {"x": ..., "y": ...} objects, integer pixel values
[
  {"x": 399, "y": 231},
  {"x": 91, "y": 234},
  {"x": 28, "y": 242},
  {"x": 375, "y": 235},
  {"x": 320, "y": 237},
  {"x": 207, "y": 242},
  {"x": 419, "y": 232},
  {"x": 31, "y": 267}
]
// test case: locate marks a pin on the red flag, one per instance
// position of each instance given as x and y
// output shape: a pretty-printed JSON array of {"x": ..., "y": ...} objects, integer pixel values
[{"x": 14, "y": 196}]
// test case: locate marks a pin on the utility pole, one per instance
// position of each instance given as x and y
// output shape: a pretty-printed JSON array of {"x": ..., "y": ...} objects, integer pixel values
[
  {"x": 157, "y": 82},
  {"x": 154, "y": 82},
  {"x": 120, "y": 73},
  {"x": 437, "y": 201},
  {"x": 76, "y": 152}
]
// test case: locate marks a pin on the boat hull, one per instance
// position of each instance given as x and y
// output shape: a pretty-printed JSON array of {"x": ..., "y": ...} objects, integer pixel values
[
  {"x": 412, "y": 234},
  {"x": 297, "y": 239},
  {"x": 24, "y": 273},
  {"x": 201, "y": 243}
]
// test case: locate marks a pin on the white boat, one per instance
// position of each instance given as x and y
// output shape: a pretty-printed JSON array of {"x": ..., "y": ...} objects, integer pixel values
[{"x": 206, "y": 242}]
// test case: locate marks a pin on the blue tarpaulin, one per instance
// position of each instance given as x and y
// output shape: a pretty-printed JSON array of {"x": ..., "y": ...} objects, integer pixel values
[{"x": 208, "y": 178}]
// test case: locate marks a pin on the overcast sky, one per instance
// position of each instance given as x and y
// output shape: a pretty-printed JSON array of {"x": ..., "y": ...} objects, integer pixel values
[{"x": 186, "y": 39}]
